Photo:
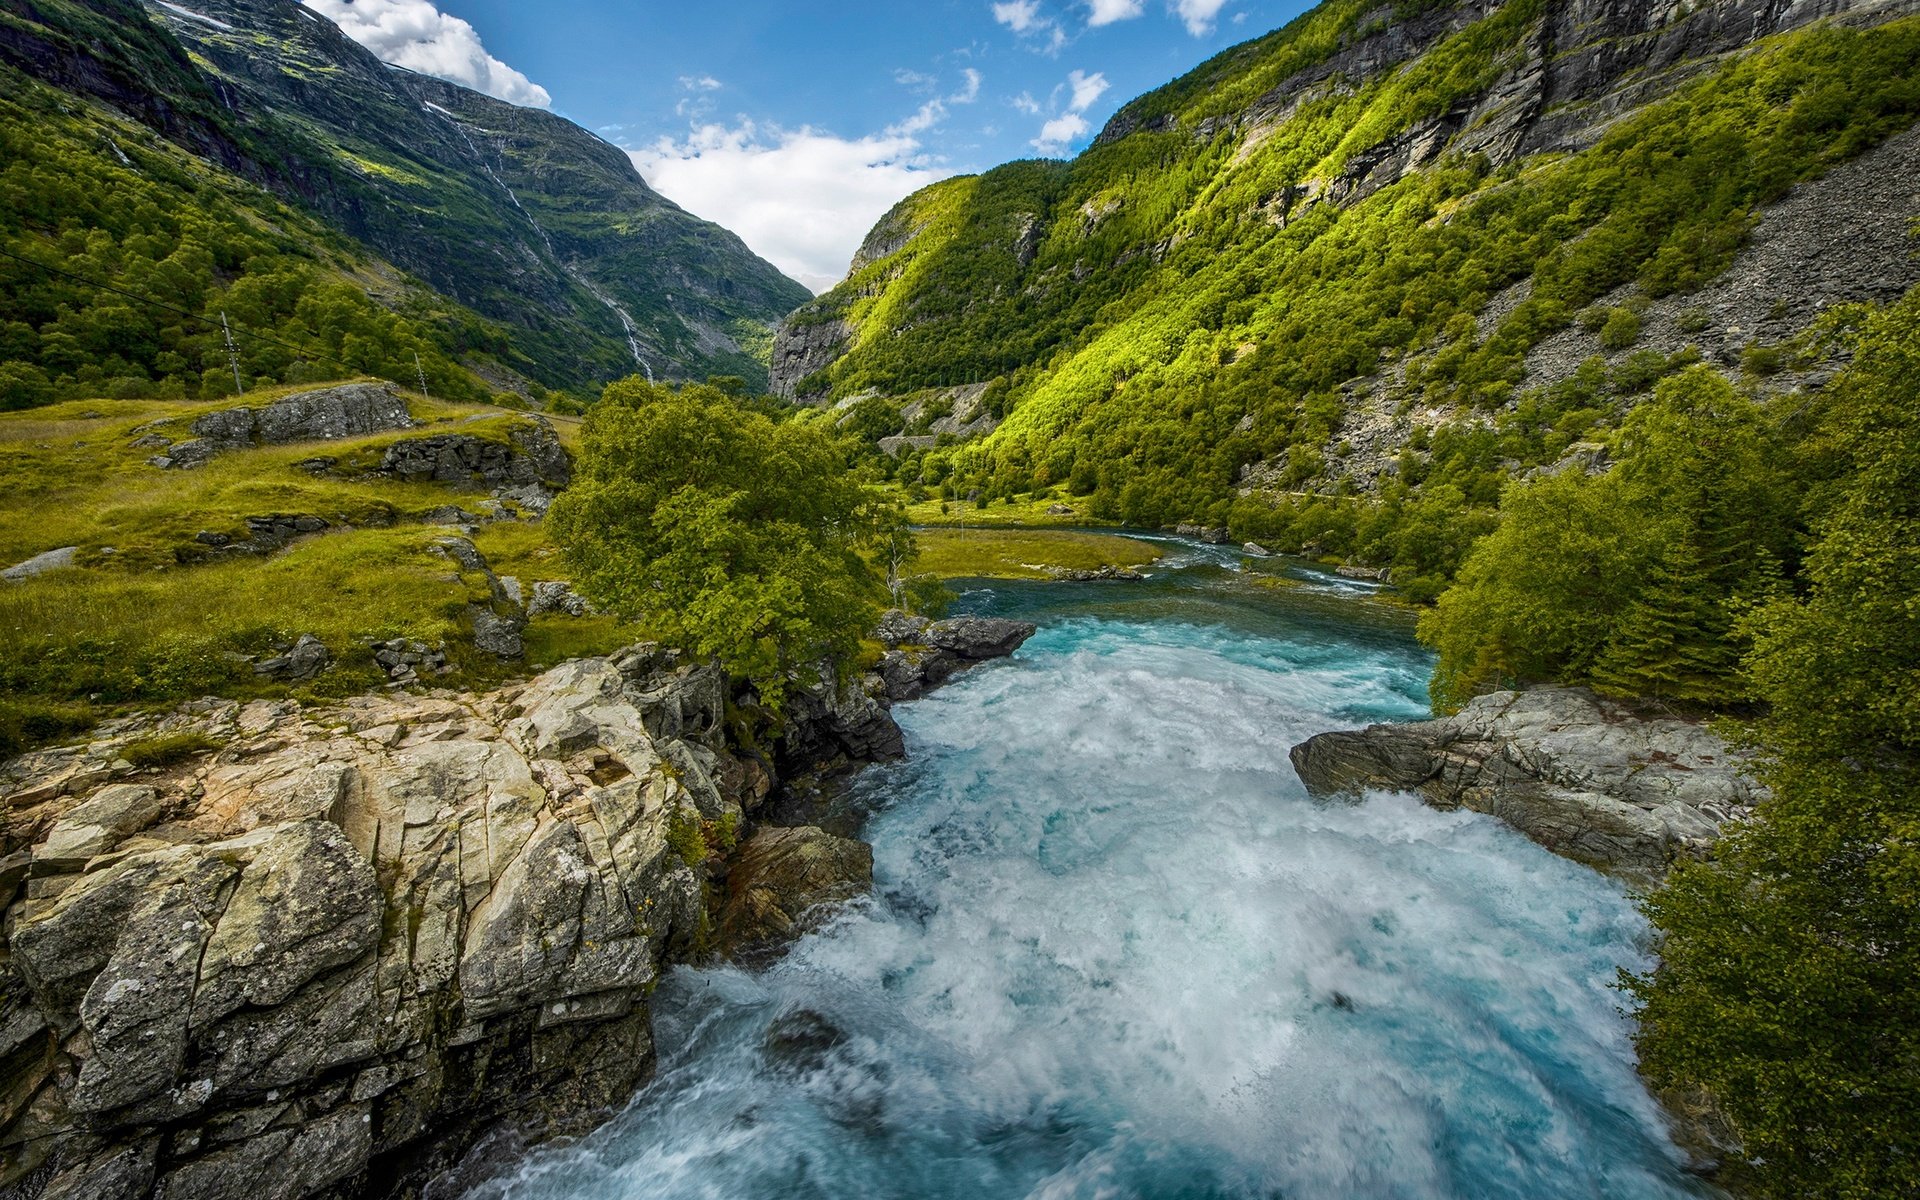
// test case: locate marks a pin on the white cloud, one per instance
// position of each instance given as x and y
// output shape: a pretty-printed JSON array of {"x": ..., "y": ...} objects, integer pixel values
[
  {"x": 1060, "y": 130},
  {"x": 971, "y": 92},
  {"x": 803, "y": 200},
  {"x": 416, "y": 35},
  {"x": 1198, "y": 14},
  {"x": 1020, "y": 16},
  {"x": 1086, "y": 89},
  {"x": 1026, "y": 104},
  {"x": 1106, "y": 12},
  {"x": 699, "y": 83},
  {"x": 1056, "y": 134}
]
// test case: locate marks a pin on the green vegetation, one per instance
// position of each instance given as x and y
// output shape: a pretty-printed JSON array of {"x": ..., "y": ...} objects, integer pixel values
[
  {"x": 1169, "y": 309},
  {"x": 167, "y": 750},
  {"x": 1788, "y": 991},
  {"x": 150, "y": 614},
  {"x": 153, "y": 221},
  {"x": 1632, "y": 580},
  {"x": 1025, "y": 554},
  {"x": 723, "y": 532}
]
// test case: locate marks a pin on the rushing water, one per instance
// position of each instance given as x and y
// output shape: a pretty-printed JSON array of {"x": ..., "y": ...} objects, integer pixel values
[{"x": 1116, "y": 951}]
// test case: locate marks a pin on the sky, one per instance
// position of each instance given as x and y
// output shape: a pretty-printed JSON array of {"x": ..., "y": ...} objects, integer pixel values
[{"x": 799, "y": 124}]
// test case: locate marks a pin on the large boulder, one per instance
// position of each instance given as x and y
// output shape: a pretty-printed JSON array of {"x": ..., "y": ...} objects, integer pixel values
[
  {"x": 329, "y": 414},
  {"x": 1589, "y": 778},
  {"x": 922, "y": 654},
  {"x": 784, "y": 882},
  {"x": 529, "y": 456}
]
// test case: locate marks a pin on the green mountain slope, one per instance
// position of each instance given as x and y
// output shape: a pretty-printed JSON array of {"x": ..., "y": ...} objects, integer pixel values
[
  {"x": 1399, "y": 253},
  {"x": 516, "y": 215}
]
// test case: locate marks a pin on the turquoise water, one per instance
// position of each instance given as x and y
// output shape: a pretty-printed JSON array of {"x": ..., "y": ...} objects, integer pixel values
[{"x": 1116, "y": 951}]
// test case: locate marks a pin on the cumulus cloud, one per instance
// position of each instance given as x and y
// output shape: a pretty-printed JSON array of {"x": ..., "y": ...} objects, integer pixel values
[
  {"x": 1106, "y": 12},
  {"x": 1063, "y": 128},
  {"x": 801, "y": 198},
  {"x": 1021, "y": 16},
  {"x": 1199, "y": 15},
  {"x": 416, "y": 35},
  {"x": 1086, "y": 89}
]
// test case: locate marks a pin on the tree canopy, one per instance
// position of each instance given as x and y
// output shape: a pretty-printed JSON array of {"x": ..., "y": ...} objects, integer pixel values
[{"x": 723, "y": 531}]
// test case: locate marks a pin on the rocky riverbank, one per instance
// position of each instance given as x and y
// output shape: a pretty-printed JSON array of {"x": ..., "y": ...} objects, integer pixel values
[
  {"x": 265, "y": 950},
  {"x": 1594, "y": 780}
]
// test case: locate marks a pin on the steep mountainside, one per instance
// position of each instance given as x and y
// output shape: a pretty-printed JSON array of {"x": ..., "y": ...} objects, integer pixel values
[
  {"x": 518, "y": 215},
  {"x": 1387, "y": 248}
]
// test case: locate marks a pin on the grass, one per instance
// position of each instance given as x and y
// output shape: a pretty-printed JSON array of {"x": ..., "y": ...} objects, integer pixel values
[
  {"x": 1028, "y": 513},
  {"x": 1025, "y": 553},
  {"x": 74, "y": 479}
]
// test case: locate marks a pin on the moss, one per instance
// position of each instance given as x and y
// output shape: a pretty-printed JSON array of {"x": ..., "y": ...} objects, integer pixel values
[
  {"x": 1025, "y": 553},
  {"x": 686, "y": 837}
]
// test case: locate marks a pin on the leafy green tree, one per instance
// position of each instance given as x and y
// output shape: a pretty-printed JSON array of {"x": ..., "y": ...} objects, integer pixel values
[
  {"x": 723, "y": 532},
  {"x": 1788, "y": 990}
]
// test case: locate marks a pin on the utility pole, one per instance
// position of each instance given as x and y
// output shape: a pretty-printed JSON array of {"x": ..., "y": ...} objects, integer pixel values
[
  {"x": 233, "y": 354},
  {"x": 422, "y": 373}
]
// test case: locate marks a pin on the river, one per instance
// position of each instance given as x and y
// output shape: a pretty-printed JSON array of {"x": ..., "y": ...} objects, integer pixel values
[{"x": 1115, "y": 951}]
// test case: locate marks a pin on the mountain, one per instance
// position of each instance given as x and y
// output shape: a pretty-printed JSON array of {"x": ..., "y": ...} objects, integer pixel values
[
  {"x": 1393, "y": 252},
  {"x": 518, "y": 216}
]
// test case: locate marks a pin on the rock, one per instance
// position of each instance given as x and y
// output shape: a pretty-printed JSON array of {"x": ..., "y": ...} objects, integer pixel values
[
  {"x": 1211, "y": 534},
  {"x": 534, "y": 499},
  {"x": 979, "y": 638},
  {"x": 368, "y": 934},
  {"x": 1257, "y": 550},
  {"x": 1369, "y": 574},
  {"x": 330, "y": 414},
  {"x": 303, "y": 661},
  {"x": 1060, "y": 510},
  {"x": 1095, "y": 574},
  {"x": 1587, "y": 778},
  {"x": 40, "y": 564},
  {"x": 497, "y": 633},
  {"x": 91, "y": 829},
  {"x": 530, "y": 455},
  {"x": 557, "y": 596},
  {"x": 923, "y": 654},
  {"x": 786, "y": 881},
  {"x": 800, "y": 350},
  {"x": 799, "y": 1042}
]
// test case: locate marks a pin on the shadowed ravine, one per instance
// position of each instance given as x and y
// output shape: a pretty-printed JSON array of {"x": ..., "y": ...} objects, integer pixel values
[{"x": 1116, "y": 951}]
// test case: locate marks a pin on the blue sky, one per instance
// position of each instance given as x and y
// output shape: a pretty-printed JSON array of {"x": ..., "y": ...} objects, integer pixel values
[{"x": 798, "y": 124}]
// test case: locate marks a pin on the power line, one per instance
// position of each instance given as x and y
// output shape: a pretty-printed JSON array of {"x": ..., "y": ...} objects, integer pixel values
[{"x": 243, "y": 331}]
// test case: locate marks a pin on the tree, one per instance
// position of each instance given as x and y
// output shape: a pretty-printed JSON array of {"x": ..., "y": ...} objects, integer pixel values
[
  {"x": 1788, "y": 989},
  {"x": 723, "y": 532}
]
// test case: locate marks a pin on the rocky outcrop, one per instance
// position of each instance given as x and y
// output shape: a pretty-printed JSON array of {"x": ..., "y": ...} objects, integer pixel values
[
  {"x": 328, "y": 955},
  {"x": 922, "y": 654},
  {"x": 802, "y": 349},
  {"x": 325, "y": 958},
  {"x": 1587, "y": 778},
  {"x": 530, "y": 456},
  {"x": 330, "y": 414},
  {"x": 783, "y": 882}
]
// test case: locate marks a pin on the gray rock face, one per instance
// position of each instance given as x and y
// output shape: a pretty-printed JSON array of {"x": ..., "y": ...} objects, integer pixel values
[
  {"x": 330, "y": 414},
  {"x": 801, "y": 349},
  {"x": 326, "y": 959},
  {"x": 532, "y": 456},
  {"x": 304, "y": 660},
  {"x": 922, "y": 654},
  {"x": 557, "y": 596},
  {"x": 1585, "y": 777},
  {"x": 40, "y": 564}
]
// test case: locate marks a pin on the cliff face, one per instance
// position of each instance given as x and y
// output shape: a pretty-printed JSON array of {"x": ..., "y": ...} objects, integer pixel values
[
  {"x": 1176, "y": 256},
  {"x": 324, "y": 951}
]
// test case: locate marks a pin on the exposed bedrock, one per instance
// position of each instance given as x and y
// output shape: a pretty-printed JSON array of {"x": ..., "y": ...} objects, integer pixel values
[
  {"x": 335, "y": 947},
  {"x": 1588, "y": 778}
]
